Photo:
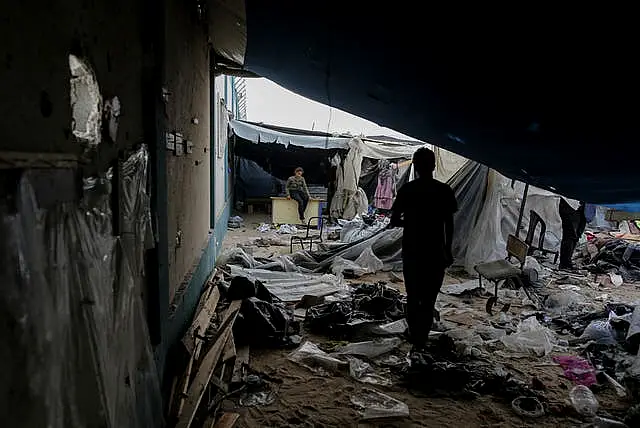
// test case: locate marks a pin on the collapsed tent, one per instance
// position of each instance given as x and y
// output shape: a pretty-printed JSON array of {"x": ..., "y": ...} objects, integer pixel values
[{"x": 267, "y": 155}]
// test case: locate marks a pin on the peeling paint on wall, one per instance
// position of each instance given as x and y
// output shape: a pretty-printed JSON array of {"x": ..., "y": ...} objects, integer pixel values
[{"x": 86, "y": 103}]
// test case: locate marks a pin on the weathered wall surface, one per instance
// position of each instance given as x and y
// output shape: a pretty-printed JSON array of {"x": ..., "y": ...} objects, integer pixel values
[
  {"x": 34, "y": 69},
  {"x": 187, "y": 81}
]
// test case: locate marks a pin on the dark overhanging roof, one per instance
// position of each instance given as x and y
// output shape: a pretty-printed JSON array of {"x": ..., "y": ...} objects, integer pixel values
[{"x": 543, "y": 96}]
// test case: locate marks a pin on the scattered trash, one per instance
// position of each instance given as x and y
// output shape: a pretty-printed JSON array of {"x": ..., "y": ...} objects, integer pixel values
[
  {"x": 583, "y": 400},
  {"x": 363, "y": 372},
  {"x": 287, "y": 229},
  {"x": 264, "y": 227},
  {"x": 530, "y": 337},
  {"x": 619, "y": 389},
  {"x": 529, "y": 407},
  {"x": 270, "y": 242},
  {"x": 263, "y": 398},
  {"x": 235, "y": 222},
  {"x": 292, "y": 286},
  {"x": 376, "y": 405},
  {"x": 310, "y": 356},
  {"x": 460, "y": 289},
  {"x": 600, "y": 422},
  {"x": 392, "y": 328},
  {"x": 577, "y": 369},
  {"x": 616, "y": 279},
  {"x": 370, "y": 349},
  {"x": 369, "y": 261}
]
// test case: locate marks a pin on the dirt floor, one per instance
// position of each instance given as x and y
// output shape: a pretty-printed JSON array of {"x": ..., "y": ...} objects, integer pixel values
[{"x": 306, "y": 399}]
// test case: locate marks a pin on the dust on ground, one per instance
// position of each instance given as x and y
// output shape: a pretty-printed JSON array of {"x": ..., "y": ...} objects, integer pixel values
[{"x": 306, "y": 399}]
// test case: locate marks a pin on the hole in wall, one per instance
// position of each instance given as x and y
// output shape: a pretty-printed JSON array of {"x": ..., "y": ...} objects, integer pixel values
[{"x": 86, "y": 102}]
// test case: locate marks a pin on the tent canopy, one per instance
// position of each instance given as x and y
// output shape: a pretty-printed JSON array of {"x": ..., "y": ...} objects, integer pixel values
[
  {"x": 540, "y": 96},
  {"x": 378, "y": 147}
]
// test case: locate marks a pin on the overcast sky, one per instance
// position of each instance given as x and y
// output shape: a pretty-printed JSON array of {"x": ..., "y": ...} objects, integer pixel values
[{"x": 269, "y": 103}]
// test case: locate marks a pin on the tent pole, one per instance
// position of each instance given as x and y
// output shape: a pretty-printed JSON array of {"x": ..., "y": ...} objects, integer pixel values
[{"x": 524, "y": 201}]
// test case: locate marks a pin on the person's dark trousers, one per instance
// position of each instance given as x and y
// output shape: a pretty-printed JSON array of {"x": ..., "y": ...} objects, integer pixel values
[
  {"x": 422, "y": 282},
  {"x": 567, "y": 248},
  {"x": 302, "y": 200},
  {"x": 571, "y": 222}
]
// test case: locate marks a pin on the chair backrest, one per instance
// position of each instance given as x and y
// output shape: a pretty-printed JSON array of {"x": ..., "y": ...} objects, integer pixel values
[
  {"x": 321, "y": 220},
  {"x": 534, "y": 220},
  {"x": 517, "y": 248}
]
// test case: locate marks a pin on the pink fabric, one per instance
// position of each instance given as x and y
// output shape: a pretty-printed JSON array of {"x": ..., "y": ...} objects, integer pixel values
[
  {"x": 577, "y": 369},
  {"x": 386, "y": 190}
]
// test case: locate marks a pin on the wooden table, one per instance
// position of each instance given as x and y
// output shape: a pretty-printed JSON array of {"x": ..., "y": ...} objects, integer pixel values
[{"x": 285, "y": 211}]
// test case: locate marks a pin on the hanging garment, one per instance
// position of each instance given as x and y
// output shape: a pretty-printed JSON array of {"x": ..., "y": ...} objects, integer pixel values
[{"x": 386, "y": 190}]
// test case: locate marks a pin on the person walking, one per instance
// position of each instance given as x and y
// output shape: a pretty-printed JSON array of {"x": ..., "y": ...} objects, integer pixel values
[
  {"x": 424, "y": 207},
  {"x": 298, "y": 191}
]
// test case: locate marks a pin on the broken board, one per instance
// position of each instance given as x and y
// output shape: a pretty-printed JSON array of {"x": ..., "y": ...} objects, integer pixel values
[
  {"x": 207, "y": 367},
  {"x": 242, "y": 359},
  {"x": 202, "y": 319}
]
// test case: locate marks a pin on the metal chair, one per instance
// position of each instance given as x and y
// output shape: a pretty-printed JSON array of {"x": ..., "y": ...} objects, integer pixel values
[
  {"x": 502, "y": 270},
  {"x": 309, "y": 237},
  {"x": 534, "y": 220}
]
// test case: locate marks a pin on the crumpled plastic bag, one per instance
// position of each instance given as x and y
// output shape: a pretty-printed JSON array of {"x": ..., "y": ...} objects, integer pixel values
[
  {"x": 368, "y": 260},
  {"x": 376, "y": 405},
  {"x": 530, "y": 338},
  {"x": 315, "y": 359},
  {"x": 340, "y": 266},
  {"x": 370, "y": 349}
]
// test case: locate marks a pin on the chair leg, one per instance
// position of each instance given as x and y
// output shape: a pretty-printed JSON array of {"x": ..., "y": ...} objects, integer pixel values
[{"x": 480, "y": 282}]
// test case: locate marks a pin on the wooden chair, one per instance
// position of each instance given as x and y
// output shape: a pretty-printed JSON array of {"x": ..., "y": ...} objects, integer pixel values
[
  {"x": 502, "y": 270},
  {"x": 310, "y": 237},
  {"x": 534, "y": 220}
]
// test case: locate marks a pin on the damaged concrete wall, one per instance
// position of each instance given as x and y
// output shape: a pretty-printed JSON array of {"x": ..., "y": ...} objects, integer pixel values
[
  {"x": 188, "y": 113},
  {"x": 35, "y": 73}
]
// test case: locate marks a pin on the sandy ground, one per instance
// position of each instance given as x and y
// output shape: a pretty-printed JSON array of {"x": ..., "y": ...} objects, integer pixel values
[{"x": 305, "y": 399}]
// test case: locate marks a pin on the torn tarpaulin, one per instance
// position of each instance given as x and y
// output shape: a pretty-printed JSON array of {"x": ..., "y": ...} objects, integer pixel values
[
  {"x": 292, "y": 286},
  {"x": 368, "y": 306}
]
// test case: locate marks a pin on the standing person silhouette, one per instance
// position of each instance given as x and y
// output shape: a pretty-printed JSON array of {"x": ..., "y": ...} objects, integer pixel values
[
  {"x": 298, "y": 191},
  {"x": 425, "y": 208}
]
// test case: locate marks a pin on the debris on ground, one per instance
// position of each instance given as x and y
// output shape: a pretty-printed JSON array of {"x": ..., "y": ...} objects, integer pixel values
[{"x": 563, "y": 351}]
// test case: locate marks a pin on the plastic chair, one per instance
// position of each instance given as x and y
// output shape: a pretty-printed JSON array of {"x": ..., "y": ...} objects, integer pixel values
[
  {"x": 501, "y": 270},
  {"x": 309, "y": 237},
  {"x": 534, "y": 220}
]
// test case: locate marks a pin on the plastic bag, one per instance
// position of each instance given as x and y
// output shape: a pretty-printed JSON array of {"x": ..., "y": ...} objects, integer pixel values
[
  {"x": 341, "y": 266},
  {"x": 315, "y": 359},
  {"x": 363, "y": 372},
  {"x": 376, "y": 405},
  {"x": 369, "y": 261},
  {"x": 599, "y": 331},
  {"x": 531, "y": 337},
  {"x": 370, "y": 349},
  {"x": 583, "y": 400}
]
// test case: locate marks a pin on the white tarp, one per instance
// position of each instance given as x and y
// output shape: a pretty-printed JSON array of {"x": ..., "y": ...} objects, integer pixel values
[
  {"x": 373, "y": 149},
  {"x": 499, "y": 216}
]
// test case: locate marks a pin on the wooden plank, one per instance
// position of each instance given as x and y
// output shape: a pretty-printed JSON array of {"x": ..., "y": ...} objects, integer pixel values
[
  {"x": 202, "y": 319},
  {"x": 229, "y": 350},
  {"x": 187, "y": 376},
  {"x": 242, "y": 359},
  {"x": 227, "y": 420},
  {"x": 208, "y": 366}
]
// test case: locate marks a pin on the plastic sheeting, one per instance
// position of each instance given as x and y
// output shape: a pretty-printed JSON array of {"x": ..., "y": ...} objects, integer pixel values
[
  {"x": 447, "y": 164},
  {"x": 469, "y": 185},
  {"x": 368, "y": 147},
  {"x": 76, "y": 348},
  {"x": 499, "y": 216},
  {"x": 291, "y": 286},
  {"x": 252, "y": 181}
]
